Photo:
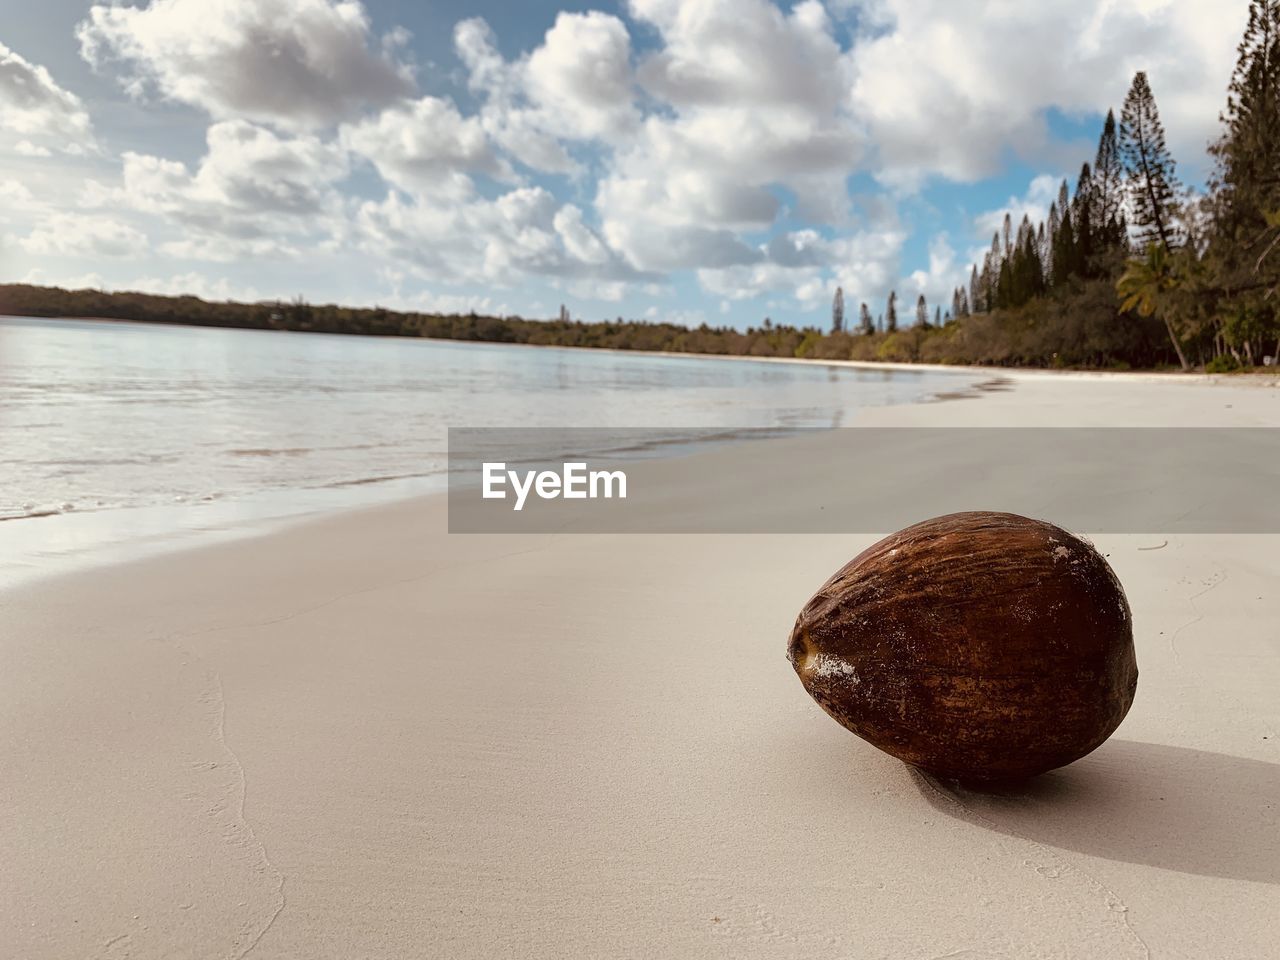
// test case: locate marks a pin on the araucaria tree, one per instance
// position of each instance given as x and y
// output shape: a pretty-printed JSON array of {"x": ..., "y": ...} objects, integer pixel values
[
  {"x": 1108, "y": 187},
  {"x": 891, "y": 315},
  {"x": 922, "y": 312},
  {"x": 1244, "y": 250},
  {"x": 866, "y": 325},
  {"x": 837, "y": 311},
  {"x": 1149, "y": 169}
]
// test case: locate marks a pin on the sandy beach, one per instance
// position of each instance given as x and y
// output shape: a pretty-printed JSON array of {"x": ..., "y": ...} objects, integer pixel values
[{"x": 362, "y": 737}]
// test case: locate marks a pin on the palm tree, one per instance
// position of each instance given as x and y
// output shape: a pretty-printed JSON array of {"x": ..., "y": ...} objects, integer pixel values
[{"x": 1145, "y": 287}]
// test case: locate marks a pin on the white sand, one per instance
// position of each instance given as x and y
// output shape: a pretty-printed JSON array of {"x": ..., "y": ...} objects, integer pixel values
[{"x": 363, "y": 738}]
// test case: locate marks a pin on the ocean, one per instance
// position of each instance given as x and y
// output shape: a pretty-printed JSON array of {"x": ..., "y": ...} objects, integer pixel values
[{"x": 116, "y": 433}]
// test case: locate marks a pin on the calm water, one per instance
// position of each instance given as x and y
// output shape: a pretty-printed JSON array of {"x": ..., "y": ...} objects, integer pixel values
[{"x": 167, "y": 429}]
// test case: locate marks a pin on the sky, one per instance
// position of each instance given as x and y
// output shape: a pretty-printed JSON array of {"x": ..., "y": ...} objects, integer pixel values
[{"x": 716, "y": 161}]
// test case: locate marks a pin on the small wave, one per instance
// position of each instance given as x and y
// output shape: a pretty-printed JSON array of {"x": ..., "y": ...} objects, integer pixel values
[
  {"x": 270, "y": 452},
  {"x": 31, "y": 515},
  {"x": 32, "y": 512},
  {"x": 146, "y": 460},
  {"x": 362, "y": 481}
]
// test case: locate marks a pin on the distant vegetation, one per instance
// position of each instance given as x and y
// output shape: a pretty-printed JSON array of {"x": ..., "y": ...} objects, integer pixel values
[{"x": 1130, "y": 271}]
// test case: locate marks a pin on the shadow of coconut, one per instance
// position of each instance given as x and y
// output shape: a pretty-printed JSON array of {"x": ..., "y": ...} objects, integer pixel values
[{"x": 1193, "y": 811}]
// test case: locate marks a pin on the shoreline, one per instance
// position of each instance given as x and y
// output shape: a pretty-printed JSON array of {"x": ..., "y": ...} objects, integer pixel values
[
  {"x": 1192, "y": 376},
  {"x": 53, "y": 544},
  {"x": 364, "y": 736},
  {"x": 54, "y": 539}
]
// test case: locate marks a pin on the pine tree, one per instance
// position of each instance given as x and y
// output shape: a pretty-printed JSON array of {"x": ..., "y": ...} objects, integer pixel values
[
  {"x": 1004, "y": 291},
  {"x": 975, "y": 291},
  {"x": 964, "y": 304},
  {"x": 1085, "y": 221},
  {"x": 1108, "y": 183},
  {"x": 891, "y": 315},
  {"x": 865, "y": 326},
  {"x": 564, "y": 313},
  {"x": 1043, "y": 254},
  {"x": 1149, "y": 169},
  {"x": 991, "y": 272},
  {"x": 937, "y": 316},
  {"x": 1064, "y": 252},
  {"x": 955, "y": 302},
  {"x": 1051, "y": 242},
  {"x": 837, "y": 311},
  {"x": 987, "y": 284},
  {"x": 1246, "y": 181},
  {"x": 922, "y": 312}
]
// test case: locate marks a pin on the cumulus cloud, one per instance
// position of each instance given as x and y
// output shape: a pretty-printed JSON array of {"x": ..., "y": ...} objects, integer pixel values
[
  {"x": 755, "y": 103},
  {"x": 426, "y": 146},
  {"x": 251, "y": 192},
  {"x": 1041, "y": 194},
  {"x": 299, "y": 63},
  {"x": 16, "y": 196},
  {"x": 457, "y": 303},
  {"x": 947, "y": 87},
  {"x": 194, "y": 284},
  {"x": 80, "y": 235},
  {"x": 807, "y": 266},
  {"x": 580, "y": 77},
  {"x": 525, "y": 231},
  {"x": 32, "y": 105},
  {"x": 939, "y": 281},
  {"x": 575, "y": 86}
]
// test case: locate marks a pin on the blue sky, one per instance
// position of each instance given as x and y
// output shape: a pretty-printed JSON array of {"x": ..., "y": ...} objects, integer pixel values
[{"x": 717, "y": 160}]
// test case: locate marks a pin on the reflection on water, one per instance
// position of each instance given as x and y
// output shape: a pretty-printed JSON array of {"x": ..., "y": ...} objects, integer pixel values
[{"x": 170, "y": 429}]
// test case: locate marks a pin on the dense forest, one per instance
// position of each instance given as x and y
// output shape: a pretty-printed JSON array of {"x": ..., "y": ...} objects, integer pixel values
[{"x": 1129, "y": 270}]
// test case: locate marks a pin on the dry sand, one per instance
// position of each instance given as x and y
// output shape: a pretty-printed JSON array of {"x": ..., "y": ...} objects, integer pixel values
[{"x": 363, "y": 738}]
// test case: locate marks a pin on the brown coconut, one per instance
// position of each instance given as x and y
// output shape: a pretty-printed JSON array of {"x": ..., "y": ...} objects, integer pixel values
[{"x": 976, "y": 646}]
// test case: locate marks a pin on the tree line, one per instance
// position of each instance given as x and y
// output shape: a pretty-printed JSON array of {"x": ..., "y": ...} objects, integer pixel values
[
  {"x": 1129, "y": 269},
  {"x": 1132, "y": 269}
]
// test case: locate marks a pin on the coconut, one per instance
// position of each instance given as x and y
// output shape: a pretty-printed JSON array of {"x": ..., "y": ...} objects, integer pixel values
[{"x": 975, "y": 646}]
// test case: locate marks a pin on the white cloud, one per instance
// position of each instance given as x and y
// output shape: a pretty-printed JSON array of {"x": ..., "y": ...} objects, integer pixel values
[
  {"x": 938, "y": 282},
  {"x": 179, "y": 284},
  {"x": 253, "y": 194},
  {"x": 25, "y": 148},
  {"x": 740, "y": 53},
  {"x": 194, "y": 284},
  {"x": 867, "y": 263},
  {"x": 808, "y": 266},
  {"x": 426, "y": 146},
  {"x": 523, "y": 232},
  {"x": 16, "y": 196},
  {"x": 456, "y": 303},
  {"x": 948, "y": 86},
  {"x": 606, "y": 291},
  {"x": 755, "y": 104},
  {"x": 79, "y": 235},
  {"x": 581, "y": 242},
  {"x": 580, "y": 77},
  {"x": 298, "y": 63},
  {"x": 575, "y": 86},
  {"x": 32, "y": 105},
  {"x": 1041, "y": 194},
  {"x": 80, "y": 281}
]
